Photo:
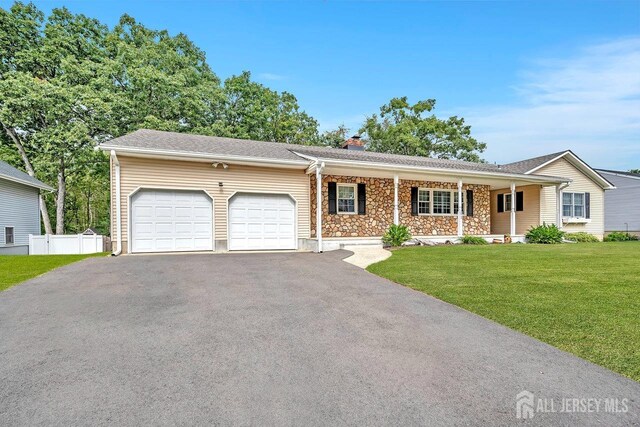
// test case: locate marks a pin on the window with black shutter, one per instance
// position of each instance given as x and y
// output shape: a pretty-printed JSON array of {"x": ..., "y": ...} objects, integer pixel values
[
  {"x": 500, "y": 203},
  {"x": 469, "y": 202},
  {"x": 520, "y": 201},
  {"x": 362, "y": 199},
  {"x": 332, "y": 198}
]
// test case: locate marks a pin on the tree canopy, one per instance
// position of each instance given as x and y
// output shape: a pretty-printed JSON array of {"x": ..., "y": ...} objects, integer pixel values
[{"x": 69, "y": 82}]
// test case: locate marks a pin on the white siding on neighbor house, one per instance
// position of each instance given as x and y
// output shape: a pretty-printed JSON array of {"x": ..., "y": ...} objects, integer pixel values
[
  {"x": 19, "y": 208},
  {"x": 136, "y": 172},
  {"x": 580, "y": 183},
  {"x": 622, "y": 205}
]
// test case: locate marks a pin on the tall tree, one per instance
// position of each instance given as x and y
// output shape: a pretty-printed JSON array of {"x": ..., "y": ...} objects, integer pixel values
[{"x": 402, "y": 128}]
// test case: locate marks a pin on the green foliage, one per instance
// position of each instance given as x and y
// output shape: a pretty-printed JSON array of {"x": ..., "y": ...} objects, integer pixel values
[
  {"x": 593, "y": 314},
  {"x": 473, "y": 240},
  {"x": 396, "y": 235},
  {"x": 635, "y": 171},
  {"x": 547, "y": 234},
  {"x": 402, "y": 128},
  {"x": 581, "y": 237},
  {"x": 619, "y": 236}
]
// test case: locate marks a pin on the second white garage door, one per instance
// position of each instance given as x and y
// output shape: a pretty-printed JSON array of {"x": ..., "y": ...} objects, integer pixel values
[{"x": 261, "y": 222}]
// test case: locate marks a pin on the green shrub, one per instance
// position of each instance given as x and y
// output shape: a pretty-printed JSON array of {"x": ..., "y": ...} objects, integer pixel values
[
  {"x": 473, "y": 240},
  {"x": 546, "y": 234},
  {"x": 619, "y": 236},
  {"x": 396, "y": 235},
  {"x": 581, "y": 237}
]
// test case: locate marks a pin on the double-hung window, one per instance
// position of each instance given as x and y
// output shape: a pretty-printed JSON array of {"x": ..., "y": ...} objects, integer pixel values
[
  {"x": 442, "y": 202},
  {"x": 8, "y": 236},
  {"x": 573, "y": 205},
  {"x": 424, "y": 202},
  {"x": 347, "y": 198},
  {"x": 507, "y": 202},
  {"x": 455, "y": 203}
]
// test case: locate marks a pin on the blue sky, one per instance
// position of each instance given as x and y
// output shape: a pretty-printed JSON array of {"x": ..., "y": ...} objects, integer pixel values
[{"x": 530, "y": 77}]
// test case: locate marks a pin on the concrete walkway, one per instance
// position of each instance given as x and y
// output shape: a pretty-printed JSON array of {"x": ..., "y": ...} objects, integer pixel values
[{"x": 364, "y": 256}]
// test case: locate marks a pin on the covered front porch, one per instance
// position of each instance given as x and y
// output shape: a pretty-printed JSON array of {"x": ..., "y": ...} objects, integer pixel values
[{"x": 356, "y": 204}]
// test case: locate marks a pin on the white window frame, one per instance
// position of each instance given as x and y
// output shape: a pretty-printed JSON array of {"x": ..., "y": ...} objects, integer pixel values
[
  {"x": 507, "y": 206},
  {"x": 13, "y": 235},
  {"x": 452, "y": 201},
  {"x": 573, "y": 204},
  {"x": 355, "y": 198},
  {"x": 429, "y": 201}
]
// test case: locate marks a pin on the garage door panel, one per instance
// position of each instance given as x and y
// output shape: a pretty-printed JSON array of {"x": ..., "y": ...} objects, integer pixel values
[
  {"x": 261, "y": 221},
  {"x": 167, "y": 220}
]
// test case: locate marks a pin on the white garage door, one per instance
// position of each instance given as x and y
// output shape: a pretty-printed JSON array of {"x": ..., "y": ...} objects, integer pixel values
[
  {"x": 261, "y": 221},
  {"x": 168, "y": 221}
]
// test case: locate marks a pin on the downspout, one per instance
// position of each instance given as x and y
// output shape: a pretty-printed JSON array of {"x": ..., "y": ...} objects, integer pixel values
[
  {"x": 319, "y": 169},
  {"x": 116, "y": 164}
]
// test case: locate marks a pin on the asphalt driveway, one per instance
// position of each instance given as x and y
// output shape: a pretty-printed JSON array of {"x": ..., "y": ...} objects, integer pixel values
[{"x": 271, "y": 339}]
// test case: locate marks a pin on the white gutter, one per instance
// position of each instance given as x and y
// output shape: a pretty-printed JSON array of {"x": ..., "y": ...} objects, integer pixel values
[
  {"x": 116, "y": 164},
  {"x": 319, "y": 206},
  {"x": 174, "y": 154},
  {"x": 435, "y": 171},
  {"x": 585, "y": 169}
]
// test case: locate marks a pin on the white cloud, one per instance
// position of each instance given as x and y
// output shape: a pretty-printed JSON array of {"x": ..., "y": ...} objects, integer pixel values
[
  {"x": 271, "y": 76},
  {"x": 589, "y": 103}
]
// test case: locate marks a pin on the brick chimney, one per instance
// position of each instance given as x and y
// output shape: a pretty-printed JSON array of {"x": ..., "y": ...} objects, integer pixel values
[{"x": 354, "y": 143}]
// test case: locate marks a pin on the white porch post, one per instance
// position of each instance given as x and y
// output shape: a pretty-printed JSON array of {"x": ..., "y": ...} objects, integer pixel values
[
  {"x": 319, "y": 206},
  {"x": 460, "y": 225},
  {"x": 396, "y": 211},
  {"x": 513, "y": 209}
]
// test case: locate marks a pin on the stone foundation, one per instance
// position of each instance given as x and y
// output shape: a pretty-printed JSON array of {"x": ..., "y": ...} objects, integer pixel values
[{"x": 379, "y": 212}]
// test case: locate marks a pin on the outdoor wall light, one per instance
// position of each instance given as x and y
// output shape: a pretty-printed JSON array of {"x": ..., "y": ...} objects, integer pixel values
[{"x": 220, "y": 184}]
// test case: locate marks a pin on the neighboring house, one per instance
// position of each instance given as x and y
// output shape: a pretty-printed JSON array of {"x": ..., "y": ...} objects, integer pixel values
[
  {"x": 622, "y": 205},
  {"x": 181, "y": 192},
  {"x": 19, "y": 209}
]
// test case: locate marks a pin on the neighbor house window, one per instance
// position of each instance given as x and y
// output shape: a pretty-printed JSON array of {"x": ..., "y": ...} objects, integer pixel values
[
  {"x": 507, "y": 202},
  {"x": 442, "y": 202},
  {"x": 424, "y": 202},
  {"x": 347, "y": 198},
  {"x": 573, "y": 205},
  {"x": 8, "y": 236}
]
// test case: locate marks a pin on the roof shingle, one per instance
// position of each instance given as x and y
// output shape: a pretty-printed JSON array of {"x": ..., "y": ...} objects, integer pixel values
[{"x": 11, "y": 173}]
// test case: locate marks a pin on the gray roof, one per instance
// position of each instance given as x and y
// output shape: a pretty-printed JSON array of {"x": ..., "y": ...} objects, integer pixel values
[
  {"x": 12, "y": 174},
  {"x": 630, "y": 174},
  {"x": 188, "y": 143},
  {"x": 215, "y": 145},
  {"x": 524, "y": 166}
]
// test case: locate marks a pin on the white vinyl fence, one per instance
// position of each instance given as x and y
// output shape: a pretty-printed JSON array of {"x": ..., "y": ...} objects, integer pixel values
[{"x": 51, "y": 244}]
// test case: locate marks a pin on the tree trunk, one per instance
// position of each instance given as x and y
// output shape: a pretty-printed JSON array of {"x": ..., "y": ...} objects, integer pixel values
[
  {"x": 62, "y": 192},
  {"x": 27, "y": 164}
]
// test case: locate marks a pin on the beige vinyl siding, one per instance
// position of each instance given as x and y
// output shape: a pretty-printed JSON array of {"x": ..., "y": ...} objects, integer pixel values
[
  {"x": 525, "y": 219},
  {"x": 580, "y": 183},
  {"x": 138, "y": 172}
]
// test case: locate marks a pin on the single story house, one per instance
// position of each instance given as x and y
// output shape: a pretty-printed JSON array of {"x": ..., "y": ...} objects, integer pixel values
[
  {"x": 182, "y": 192},
  {"x": 19, "y": 209},
  {"x": 622, "y": 205}
]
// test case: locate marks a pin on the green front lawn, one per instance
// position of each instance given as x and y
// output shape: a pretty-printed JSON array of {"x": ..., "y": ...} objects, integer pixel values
[
  {"x": 18, "y": 268},
  {"x": 581, "y": 298}
]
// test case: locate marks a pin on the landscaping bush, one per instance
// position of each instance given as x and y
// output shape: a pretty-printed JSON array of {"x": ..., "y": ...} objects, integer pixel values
[
  {"x": 581, "y": 237},
  {"x": 619, "y": 236},
  {"x": 545, "y": 234},
  {"x": 396, "y": 235},
  {"x": 473, "y": 240}
]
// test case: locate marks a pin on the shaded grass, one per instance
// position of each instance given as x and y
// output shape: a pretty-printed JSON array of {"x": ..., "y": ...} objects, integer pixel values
[
  {"x": 18, "y": 268},
  {"x": 581, "y": 298}
]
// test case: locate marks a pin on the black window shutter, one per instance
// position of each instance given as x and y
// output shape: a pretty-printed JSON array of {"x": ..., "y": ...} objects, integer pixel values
[
  {"x": 500, "y": 202},
  {"x": 362, "y": 199},
  {"x": 332, "y": 198},
  {"x": 414, "y": 201},
  {"x": 587, "y": 205},
  {"x": 520, "y": 201},
  {"x": 469, "y": 202}
]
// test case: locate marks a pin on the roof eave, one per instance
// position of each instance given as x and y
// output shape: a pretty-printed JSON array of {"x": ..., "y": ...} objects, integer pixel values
[
  {"x": 41, "y": 186},
  {"x": 584, "y": 168},
  {"x": 191, "y": 156},
  {"x": 437, "y": 171}
]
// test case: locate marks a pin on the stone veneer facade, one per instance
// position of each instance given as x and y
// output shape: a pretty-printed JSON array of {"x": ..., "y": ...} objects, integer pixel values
[{"x": 379, "y": 212}]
